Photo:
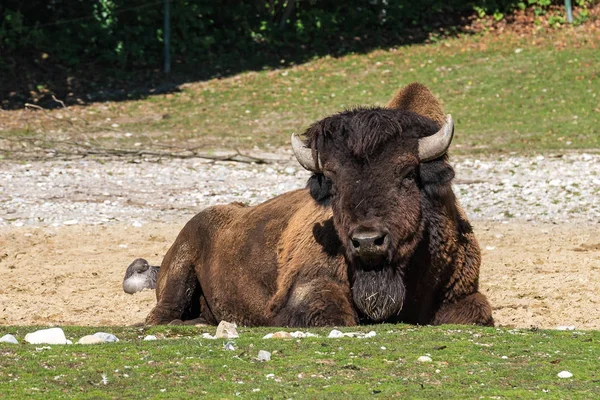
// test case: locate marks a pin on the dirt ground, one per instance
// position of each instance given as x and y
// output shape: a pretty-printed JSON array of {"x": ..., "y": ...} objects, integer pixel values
[{"x": 535, "y": 275}]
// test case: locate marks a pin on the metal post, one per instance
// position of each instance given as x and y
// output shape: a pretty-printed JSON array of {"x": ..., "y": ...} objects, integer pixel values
[
  {"x": 167, "y": 37},
  {"x": 569, "y": 11}
]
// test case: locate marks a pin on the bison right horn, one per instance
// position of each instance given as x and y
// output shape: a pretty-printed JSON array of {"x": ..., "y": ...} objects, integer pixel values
[
  {"x": 304, "y": 155},
  {"x": 436, "y": 145}
]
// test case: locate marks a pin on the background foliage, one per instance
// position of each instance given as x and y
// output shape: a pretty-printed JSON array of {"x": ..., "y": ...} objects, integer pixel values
[{"x": 49, "y": 45}]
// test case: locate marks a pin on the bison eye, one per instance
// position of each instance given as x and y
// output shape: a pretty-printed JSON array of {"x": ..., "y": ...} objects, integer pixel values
[{"x": 407, "y": 176}]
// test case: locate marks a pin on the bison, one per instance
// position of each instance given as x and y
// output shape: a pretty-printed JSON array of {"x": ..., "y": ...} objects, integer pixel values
[{"x": 376, "y": 236}]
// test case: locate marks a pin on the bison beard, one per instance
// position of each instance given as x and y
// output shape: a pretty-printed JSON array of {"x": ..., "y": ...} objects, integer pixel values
[{"x": 378, "y": 294}]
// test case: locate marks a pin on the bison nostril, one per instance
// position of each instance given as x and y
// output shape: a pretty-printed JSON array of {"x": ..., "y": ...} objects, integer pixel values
[{"x": 369, "y": 243}]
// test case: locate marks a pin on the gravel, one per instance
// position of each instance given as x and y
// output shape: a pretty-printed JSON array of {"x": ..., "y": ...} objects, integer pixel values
[{"x": 97, "y": 192}]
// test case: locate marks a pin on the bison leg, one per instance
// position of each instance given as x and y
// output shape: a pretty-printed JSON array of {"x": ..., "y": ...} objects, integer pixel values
[
  {"x": 471, "y": 310},
  {"x": 177, "y": 286},
  {"x": 317, "y": 303}
]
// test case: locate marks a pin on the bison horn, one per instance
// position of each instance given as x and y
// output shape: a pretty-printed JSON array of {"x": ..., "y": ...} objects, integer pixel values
[
  {"x": 436, "y": 145},
  {"x": 304, "y": 155}
]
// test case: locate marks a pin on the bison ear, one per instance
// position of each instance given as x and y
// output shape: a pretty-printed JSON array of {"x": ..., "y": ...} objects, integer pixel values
[
  {"x": 320, "y": 188},
  {"x": 436, "y": 176}
]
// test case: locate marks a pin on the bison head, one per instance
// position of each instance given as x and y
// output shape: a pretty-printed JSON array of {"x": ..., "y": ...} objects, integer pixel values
[{"x": 382, "y": 171}]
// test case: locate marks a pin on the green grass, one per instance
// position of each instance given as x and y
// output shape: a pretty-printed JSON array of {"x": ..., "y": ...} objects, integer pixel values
[
  {"x": 507, "y": 93},
  {"x": 468, "y": 362}
]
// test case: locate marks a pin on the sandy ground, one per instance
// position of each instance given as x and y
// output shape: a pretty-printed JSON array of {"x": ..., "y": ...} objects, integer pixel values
[{"x": 536, "y": 275}]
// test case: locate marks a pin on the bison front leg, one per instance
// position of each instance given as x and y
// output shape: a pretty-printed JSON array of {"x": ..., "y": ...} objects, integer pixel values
[
  {"x": 176, "y": 287},
  {"x": 317, "y": 303},
  {"x": 474, "y": 309}
]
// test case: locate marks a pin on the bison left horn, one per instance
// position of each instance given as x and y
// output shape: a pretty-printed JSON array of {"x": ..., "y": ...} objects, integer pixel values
[
  {"x": 436, "y": 145},
  {"x": 304, "y": 155}
]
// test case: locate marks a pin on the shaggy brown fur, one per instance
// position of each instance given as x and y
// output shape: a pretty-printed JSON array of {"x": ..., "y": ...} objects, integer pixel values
[{"x": 289, "y": 261}]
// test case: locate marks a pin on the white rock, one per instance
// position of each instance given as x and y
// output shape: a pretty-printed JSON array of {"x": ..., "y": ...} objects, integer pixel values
[
  {"x": 268, "y": 336},
  {"x": 208, "y": 336},
  {"x": 226, "y": 330},
  {"x": 565, "y": 328},
  {"x": 554, "y": 182},
  {"x": 70, "y": 222},
  {"x": 335, "y": 334},
  {"x": 229, "y": 346},
  {"x": 47, "y": 336},
  {"x": 564, "y": 374},
  {"x": 290, "y": 170},
  {"x": 371, "y": 334},
  {"x": 264, "y": 355},
  {"x": 9, "y": 339},
  {"x": 107, "y": 337},
  {"x": 281, "y": 335},
  {"x": 90, "y": 339},
  {"x": 150, "y": 337},
  {"x": 424, "y": 359},
  {"x": 299, "y": 334}
]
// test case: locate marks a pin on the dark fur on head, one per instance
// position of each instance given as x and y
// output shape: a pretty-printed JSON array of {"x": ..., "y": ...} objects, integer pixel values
[{"x": 373, "y": 179}]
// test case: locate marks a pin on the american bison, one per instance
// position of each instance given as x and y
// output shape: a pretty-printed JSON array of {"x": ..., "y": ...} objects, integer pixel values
[{"x": 377, "y": 235}]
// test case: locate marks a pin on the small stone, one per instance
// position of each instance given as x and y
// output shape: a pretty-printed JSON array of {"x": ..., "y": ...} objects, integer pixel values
[
  {"x": 554, "y": 182},
  {"x": 70, "y": 222},
  {"x": 47, "y": 336},
  {"x": 107, "y": 337},
  {"x": 268, "y": 336},
  {"x": 565, "y": 328},
  {"x": 150, "y": 337},
  {"x": 90, "y": 339},
  {"x": 227, "y": 330},
  {"x": 335, "y": 334},
  {"x": 424, "y": 359},
  {"x": 282, "y": 335},
  {"x": 299, "y": 334},
  {"x": 208, "y": 336},
  {"x": 564, "y": 374},
  {"x": 9, "y": 339},
  {"x": 290, "y": 170},
  {"x": 371, "y": 334},
  {"x": 264, "y": 355},
  {"x": 229, "y": 346}
]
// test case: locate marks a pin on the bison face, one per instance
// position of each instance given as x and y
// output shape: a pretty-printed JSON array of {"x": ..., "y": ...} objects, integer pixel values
[
  {"x": 376, "y": 203},
  {"x": 369, "y": 166}
]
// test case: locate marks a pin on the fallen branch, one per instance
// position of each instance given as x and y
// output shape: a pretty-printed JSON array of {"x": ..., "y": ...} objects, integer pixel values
[{"x": 68, "y": 148}]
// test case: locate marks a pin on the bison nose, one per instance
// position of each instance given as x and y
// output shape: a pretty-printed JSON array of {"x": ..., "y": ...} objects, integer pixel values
[{"x": 370, "y": 243}]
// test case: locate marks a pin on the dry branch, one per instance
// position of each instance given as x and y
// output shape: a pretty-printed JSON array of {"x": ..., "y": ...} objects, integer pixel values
[{"x": 39, "y": 148}]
